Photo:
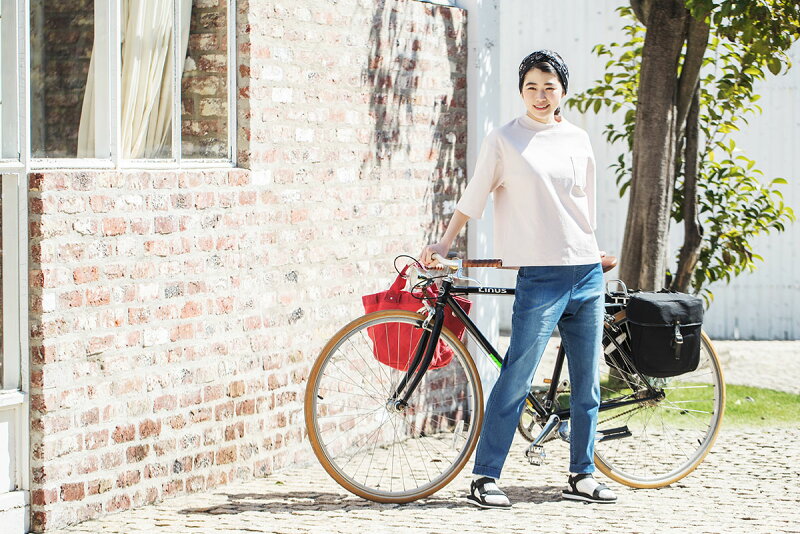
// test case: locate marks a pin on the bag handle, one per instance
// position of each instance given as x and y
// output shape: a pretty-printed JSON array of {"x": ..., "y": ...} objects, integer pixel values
[{"x": 400, "y": 282}]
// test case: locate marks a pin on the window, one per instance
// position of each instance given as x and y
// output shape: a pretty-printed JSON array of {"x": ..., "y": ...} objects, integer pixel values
[
  {"x": 11, "y": 170},
  {"x": 10, "y": 283},
  {"x": 2, "y": 352},
  {"x": 62, "y": 35},
  {"x": 111, "y": 80},
  {"x": 205, "y": 84},
  {"x": 9, "y": 148}
]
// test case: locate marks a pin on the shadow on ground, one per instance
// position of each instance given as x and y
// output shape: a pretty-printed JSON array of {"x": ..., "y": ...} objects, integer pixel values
[{"x": 278, "y": 502}]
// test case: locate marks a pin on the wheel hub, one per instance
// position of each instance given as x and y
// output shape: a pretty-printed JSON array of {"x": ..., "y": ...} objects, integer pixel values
[{"x": 395, "y": 406}]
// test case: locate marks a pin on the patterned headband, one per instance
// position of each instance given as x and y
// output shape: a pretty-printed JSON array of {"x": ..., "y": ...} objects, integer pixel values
[{"x": 547, "y": 56}]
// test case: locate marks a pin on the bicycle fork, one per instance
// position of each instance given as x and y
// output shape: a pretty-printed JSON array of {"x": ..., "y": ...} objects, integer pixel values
[{"x": 421, "y": 361}]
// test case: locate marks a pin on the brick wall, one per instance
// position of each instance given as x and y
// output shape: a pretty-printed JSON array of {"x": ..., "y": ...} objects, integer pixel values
[{"x": 175, "y": 314}]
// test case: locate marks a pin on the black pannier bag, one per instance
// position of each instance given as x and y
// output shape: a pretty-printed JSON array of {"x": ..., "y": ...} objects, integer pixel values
[{"x": 665, "y": 332}]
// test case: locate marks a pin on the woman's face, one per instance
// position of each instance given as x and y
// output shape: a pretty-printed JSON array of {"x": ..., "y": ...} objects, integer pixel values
[{"x": 542, "y": 93}]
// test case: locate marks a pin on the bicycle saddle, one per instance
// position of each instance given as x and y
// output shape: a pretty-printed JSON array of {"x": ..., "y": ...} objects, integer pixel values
[{"x": 608, "y": 263}]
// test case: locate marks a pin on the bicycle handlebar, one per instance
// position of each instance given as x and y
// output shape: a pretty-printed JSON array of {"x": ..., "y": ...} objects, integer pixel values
[
  {"x": 455, "y": 264},
  {"x": 482, "y": 263}
]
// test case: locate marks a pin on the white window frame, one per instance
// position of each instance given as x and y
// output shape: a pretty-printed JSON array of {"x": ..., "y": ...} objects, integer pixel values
[
  {"x": 451, "y": 3},
  {"x": 107, "y": 26},
  {"x": 15, "y": 387},
  {"x": 9, "y": 150},
  {"x": 14, "y": 205}
]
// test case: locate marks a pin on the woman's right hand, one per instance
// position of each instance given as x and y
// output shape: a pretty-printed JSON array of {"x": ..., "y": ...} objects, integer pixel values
[{"x": 426, "y": 256}]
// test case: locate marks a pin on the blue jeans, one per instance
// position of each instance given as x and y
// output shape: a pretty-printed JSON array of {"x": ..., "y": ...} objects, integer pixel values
[{"x": 570, "y": 297}]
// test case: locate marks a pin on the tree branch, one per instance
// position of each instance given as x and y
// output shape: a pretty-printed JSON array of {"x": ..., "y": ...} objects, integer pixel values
[
  {"x": 696, "y": 44},
  {"x": 692, "y": 230}
]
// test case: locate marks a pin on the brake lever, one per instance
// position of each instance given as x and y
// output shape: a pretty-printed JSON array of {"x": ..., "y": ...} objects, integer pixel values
[
  {"x": 414, "y": 277},
  {"x": 468, "y": 279}
]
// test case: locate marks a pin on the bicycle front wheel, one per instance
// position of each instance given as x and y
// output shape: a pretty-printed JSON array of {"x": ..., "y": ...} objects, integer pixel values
[
  {"x": 655, "y": 443},
  {"x": 364, "y": 442}
]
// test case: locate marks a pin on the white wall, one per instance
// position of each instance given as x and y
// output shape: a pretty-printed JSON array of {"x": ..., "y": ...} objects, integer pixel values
[{"x": 763, "y": 305}]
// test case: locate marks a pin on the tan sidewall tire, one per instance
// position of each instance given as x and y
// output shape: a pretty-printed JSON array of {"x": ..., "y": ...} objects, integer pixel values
[
  {"x": 309, "y": 403},
  {"x": 607, "y": 471}
]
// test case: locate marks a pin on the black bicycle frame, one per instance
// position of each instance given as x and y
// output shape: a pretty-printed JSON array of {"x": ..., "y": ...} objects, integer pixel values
[{"x": 425, "y": 350}]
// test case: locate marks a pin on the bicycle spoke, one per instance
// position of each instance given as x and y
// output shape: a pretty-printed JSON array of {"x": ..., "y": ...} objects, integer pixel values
[
  {"x": 372, "y": 386},
  {"x": 701, "y": 386},
  {"x": 363, "y": 378},
  {"x": 686, "y": 410},
  {"x": 341, "y": 435},
  {"x": 369, "y": 362}
]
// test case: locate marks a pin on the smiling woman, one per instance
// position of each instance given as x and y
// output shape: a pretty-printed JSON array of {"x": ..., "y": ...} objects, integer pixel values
[{"x": 540, "y": 170}]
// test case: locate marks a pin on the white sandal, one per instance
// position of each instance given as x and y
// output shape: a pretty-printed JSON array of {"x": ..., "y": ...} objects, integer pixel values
[
  {"x": 478, "y": 494},
  {"x": 574, "y": 494}
]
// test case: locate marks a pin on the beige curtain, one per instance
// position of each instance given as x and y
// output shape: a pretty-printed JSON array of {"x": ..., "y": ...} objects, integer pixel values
[{"x": 146, "y": 84}]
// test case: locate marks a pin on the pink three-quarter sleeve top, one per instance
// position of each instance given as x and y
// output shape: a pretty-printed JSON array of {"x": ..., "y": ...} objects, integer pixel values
[{"x": 543, "y": 180}]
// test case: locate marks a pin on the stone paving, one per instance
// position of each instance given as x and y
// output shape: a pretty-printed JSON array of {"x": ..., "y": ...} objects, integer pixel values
[
  {"x": 750, "y": 482},
  {"x": 766, "y": 364}
]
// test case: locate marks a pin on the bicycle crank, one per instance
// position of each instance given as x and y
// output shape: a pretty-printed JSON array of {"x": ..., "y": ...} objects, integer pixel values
[{"x": 535, "y": 452}]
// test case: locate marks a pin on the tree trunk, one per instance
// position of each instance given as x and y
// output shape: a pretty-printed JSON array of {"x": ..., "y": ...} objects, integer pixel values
[
  {"x": 692, "y": 230},
  {"x": 643, "y": 263}
]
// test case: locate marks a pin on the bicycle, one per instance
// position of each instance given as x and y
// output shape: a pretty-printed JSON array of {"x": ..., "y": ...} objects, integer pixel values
[{"x": 394, "y": 437}]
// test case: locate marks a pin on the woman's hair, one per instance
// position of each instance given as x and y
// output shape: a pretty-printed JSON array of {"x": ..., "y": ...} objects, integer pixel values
[
  {"x": 546, "y": 61},
  {"x": 543, "y": 66}
]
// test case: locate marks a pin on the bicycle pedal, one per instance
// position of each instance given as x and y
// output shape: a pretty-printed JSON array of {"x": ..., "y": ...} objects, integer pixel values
[
  {"x": 613, "y": 433},
  {"x": 535, "y": 454}
]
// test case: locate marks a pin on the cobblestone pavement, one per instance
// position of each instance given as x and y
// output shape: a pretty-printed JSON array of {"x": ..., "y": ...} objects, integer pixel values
[
  {"x": 766, "y": 364},
  {"x": 741, "y": 487},
  {"x": 750, "y": 482}
]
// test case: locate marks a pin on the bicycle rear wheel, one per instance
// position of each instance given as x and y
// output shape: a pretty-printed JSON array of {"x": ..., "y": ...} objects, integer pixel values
[
  {"x": 374, "y": 450},
  {"x": 669, "y": 437}
]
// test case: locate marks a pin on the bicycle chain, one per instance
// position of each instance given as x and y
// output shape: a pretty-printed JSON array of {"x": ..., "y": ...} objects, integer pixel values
[
  {"x": 620, "y": 414},
  {"x": 614, "y": 417},
  {"x": 610, "y": 418}
]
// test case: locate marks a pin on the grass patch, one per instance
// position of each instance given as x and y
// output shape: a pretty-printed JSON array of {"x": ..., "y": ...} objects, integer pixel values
[
  {"x": 752, "y": 406},
  {"x": 744, "y": 406}
]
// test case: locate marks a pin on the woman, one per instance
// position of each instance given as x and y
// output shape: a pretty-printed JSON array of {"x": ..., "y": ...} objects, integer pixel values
[{"x": 540, "y": 169}]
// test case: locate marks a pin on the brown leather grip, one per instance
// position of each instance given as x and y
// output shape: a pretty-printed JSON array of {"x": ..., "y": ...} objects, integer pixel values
[
  {"x": 608, "y": 263},
  {"x": 482, "y": 263}
]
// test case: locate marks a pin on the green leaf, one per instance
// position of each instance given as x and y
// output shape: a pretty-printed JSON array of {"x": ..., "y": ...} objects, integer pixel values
[{"x": 774, "y": 65}]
